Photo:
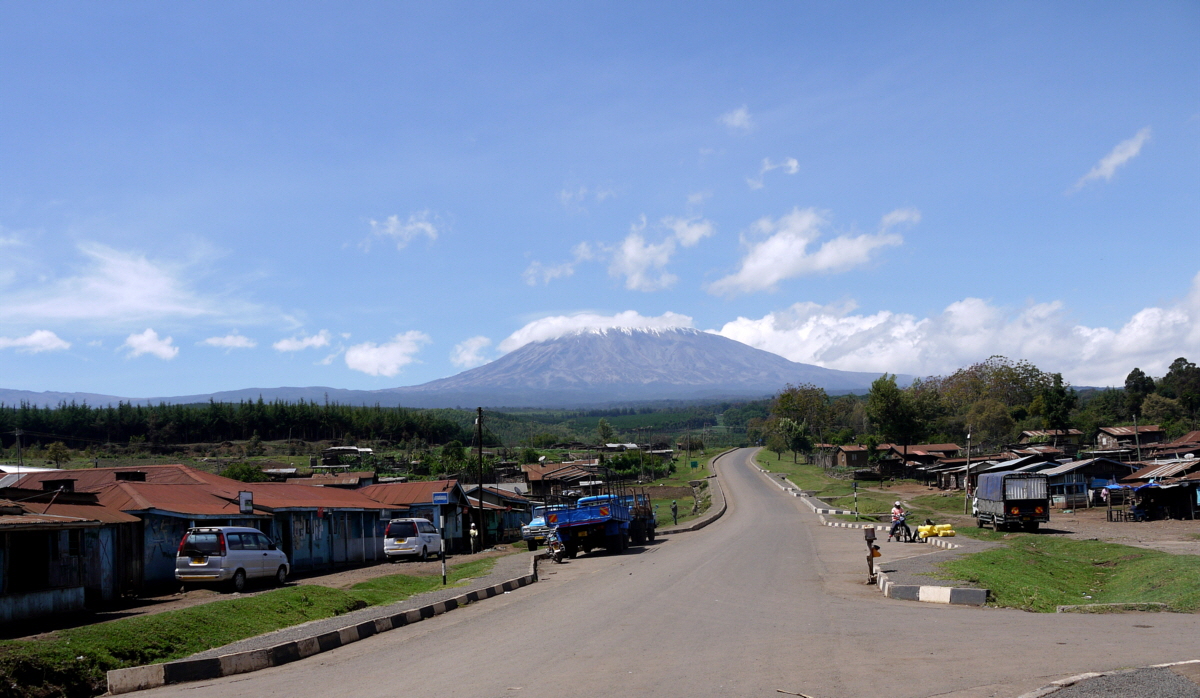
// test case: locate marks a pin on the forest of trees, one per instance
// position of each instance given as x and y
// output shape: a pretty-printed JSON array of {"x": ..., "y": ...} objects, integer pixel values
[
  {"x": 995, "y": 400},
  {"x": 80, "y": 426}
]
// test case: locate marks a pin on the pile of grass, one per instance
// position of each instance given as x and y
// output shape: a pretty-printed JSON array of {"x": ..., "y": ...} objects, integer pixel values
[
  {"x": 73, "y": 663},
  {"x": 1038, "y": 573}
]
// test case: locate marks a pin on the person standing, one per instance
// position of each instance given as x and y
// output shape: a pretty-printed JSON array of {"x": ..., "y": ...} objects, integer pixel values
[
  {"x": 474, "y": 539},
  {"x": 674, "y": 512}
]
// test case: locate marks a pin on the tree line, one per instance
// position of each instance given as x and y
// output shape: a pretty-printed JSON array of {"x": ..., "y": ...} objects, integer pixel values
[
  {"x": 80, "y": 426},
  {"x": 993, "y": 400}
]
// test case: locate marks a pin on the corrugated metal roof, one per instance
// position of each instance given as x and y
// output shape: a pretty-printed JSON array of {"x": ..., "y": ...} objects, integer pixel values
[
  {"x": 280, "y": 495},
  {"x": 1192, "y": 437},
  {"x": 1160, "y": 470},
  {"x": 1128, "y": 431},
  {"x": 406, "y": 493},
  {"x": 192, "y": 500},
  {"x": 1052, "y": 432}
]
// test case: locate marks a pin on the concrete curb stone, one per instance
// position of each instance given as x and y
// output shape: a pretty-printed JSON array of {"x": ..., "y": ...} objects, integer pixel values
[
  {"x": 154, "y": 675},
  {"x": 1055, "y": 686}
]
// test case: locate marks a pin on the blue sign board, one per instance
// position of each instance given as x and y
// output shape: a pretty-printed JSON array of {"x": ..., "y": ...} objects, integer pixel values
[{"x": 441, "y": 497}]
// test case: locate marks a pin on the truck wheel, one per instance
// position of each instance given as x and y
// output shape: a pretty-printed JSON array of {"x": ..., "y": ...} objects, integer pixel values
[
  {"x": 979, "y": 523},
  {"x": 532, "y": 545},
  {"x": 650, "y": 536}
]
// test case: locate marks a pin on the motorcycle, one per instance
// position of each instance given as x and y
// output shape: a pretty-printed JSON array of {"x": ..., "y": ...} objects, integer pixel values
[
  {"x": 901, "y": 530},
  {"x": 554, "y": 545}
]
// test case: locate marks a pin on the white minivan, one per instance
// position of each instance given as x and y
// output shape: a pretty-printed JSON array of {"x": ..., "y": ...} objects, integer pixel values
[
  {"x": 230, "y": 554},
  {"x": 411, "y": 538}
]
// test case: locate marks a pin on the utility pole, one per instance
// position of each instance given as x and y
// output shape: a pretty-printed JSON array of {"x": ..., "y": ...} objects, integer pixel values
[
  {"x": 1137, "y": 439},
  {"x": 967, "y": 482},
  {"x": 479, "y": 441},
  {"x": 20, "y": 462}
]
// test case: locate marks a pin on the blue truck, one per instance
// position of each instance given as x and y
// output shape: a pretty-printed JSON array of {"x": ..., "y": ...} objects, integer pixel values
[{"x": 600, "y": 521}]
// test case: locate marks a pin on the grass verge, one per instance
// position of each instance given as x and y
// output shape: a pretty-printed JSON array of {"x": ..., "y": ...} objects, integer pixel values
[
  {"x": 838, "y": 493},
  {"x": 1038, "y": 573},
  {"x": 73, "y": 663}
]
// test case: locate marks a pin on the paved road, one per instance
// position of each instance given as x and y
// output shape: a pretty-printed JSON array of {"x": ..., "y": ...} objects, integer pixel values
[{"x": 763, "y": 599}]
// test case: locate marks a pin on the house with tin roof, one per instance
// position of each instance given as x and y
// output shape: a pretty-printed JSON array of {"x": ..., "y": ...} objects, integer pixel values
[
  {"x": 57, "y": 552},
  {"x": 317, "y": 527}
]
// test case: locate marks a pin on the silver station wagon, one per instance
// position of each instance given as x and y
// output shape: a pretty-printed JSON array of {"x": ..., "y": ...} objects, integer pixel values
[
  {"x": 411, "y": 538},
  {"x": 229, "y": 554}
]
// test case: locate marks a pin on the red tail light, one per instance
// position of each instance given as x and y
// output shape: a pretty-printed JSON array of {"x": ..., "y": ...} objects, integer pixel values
[
  {"x": 1039, "y": 510},
  {"x": 1014, "y": 511},
  {"x": 181, "y": 542},
  {"x": 387, "y": 532},
  {"x": 221, "y": 542}
]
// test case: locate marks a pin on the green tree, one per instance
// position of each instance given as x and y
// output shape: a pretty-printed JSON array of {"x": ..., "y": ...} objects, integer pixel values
[
  {"x": 778, "y": 443},
  {"x": 803, "y": 404},
  {"x": 991, "y": 422},
  {"x": 58, "y": 452},
  {"x": 1058, "y": 400},
  {"x": 530, "y": 455},
  {"x": 244, "y": 472},
  {"x": 1182, "y": 382},
  {"x": 454, "y": 452},
  {"x": 890, "y": 410},
  {"x": 1137, "y": 386},
  {"x": 605, "y": 431}
]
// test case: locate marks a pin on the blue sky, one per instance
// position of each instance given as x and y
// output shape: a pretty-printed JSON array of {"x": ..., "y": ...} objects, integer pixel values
[{"x": 206, "y": 197}]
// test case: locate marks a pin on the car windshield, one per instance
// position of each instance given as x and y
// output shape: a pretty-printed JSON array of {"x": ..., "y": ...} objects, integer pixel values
[
  {"x": 202, "y": 543},
  {"x": 401, "y": 529}
]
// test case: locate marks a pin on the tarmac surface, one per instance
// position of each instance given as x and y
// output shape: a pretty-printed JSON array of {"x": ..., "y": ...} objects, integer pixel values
[{"x": 762, "y": 601}]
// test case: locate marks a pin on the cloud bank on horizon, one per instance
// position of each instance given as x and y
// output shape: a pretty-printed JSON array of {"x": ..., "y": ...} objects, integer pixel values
[{"x": 965, "y": 332}]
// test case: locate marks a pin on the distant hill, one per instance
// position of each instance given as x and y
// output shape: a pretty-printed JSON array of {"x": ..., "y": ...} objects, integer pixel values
[{"x": 585, "y": 368}]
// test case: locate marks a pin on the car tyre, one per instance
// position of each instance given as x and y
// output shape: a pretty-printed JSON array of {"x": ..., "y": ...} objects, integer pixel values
[
  {"x": 424, "y": 554},
  {"x": 238, "y": 583},
  {"x": 281, "y": 576}
]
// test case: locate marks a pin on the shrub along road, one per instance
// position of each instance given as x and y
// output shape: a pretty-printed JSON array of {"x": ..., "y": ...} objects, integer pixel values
[{"x": 765, "y": 599}]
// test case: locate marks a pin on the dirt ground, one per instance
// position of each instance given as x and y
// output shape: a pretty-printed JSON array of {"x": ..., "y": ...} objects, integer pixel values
[
  {"x": 1171, "y": 536},
  {"x": 149, "y": 605}
]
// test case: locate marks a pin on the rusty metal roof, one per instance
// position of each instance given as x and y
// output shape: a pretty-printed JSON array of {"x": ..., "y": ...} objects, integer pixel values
[
  {"x": 279, "y": 495},
  {"x": 1129, "y": 431},
  {"x": 46, "y": 513},
  {"x": 405, "y": 493},
  {"x": 192, "y": 500},
  {"x": 503, "y": 494}
]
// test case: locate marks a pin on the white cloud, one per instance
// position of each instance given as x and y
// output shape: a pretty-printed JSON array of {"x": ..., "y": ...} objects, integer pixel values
[
  {"x": 971, "y": 330},
  {"x": 320, "y": 339},
  {"x": 642, "y": 263},
  {"x": 545, "y": 273},
  {"x": 788, "y": 165},
  {"x": 231, "y": 341},
  {"x": 1123, "y": 153},
  {"x": 403, "y": 232},
  {"x": 469, "y": 353},
  {"x": 738, "y": 120},
  {"x": 697, "y": 198},
  {"x": 785, "y": 252},
  {"x": 559, "y": 325},
  {"x": 35, "y": 342},
  {"x": 149, "y": 342},
  {"x": 689, "y": 231},
  {"x": 114, "y": 286},
  {"x": 574, "y": 199},
  {"x": 388, "y": 358}
]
